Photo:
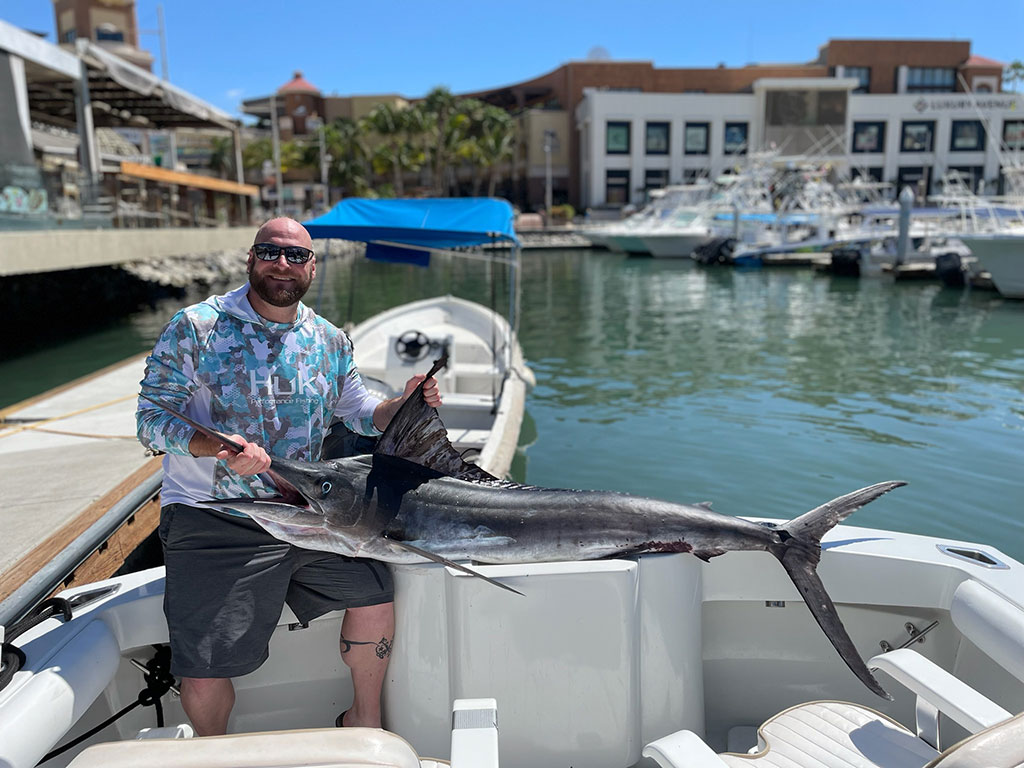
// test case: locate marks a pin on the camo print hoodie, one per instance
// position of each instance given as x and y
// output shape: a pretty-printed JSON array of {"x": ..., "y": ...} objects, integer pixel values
[{"x": 276, "y": 384}]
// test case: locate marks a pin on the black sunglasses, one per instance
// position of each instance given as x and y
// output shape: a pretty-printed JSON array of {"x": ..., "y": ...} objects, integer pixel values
[{"x": 295, "y": 254}]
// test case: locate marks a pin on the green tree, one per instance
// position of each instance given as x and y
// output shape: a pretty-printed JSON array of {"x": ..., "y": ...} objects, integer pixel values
[
  {"x": 255, "y": 153},
  {"x": 1013, "y": 74},
  {"x": 348, "y": 167},
  {"x": 497, "y": 141},
  {"x": 446, "y": 122},
  {"x": 262, "y": 150},
  {"x": 221, "y": 156},
  {"x": 395, "y": 152}
]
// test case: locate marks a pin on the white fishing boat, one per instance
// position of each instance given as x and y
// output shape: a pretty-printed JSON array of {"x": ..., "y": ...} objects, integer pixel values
[
  {"x": 1001, "y": 254},
  {"x": 599, "y": 664},
  {"x": 484, "y": 386}
]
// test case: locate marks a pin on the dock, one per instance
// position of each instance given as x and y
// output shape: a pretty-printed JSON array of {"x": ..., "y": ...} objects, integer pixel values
[{"x": 69, "y": 464}]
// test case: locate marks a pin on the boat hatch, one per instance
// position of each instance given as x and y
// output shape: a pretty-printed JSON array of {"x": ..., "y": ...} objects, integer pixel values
[
  {"x": 975, "y": 556},
  {"x": 92, "y": 595}
]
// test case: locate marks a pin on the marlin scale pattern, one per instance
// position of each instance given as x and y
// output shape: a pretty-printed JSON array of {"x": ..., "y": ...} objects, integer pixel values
[{"x": 415, "y": 498}]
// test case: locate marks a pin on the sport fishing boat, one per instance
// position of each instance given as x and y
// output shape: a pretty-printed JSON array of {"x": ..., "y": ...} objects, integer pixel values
[
  {"x": 485, "y": 383},
  {"x": 658, "y": 659}
]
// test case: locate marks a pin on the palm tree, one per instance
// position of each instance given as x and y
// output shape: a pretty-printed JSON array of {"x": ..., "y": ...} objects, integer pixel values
[
  {"x": 497, "y": 143},
  {"x": 221, "y": 152},
  {"x": 1013, "y": 74},
  {"x": 255, "y": 153},
  {"x": 446, "y": 122},
  {"x": 396, "y": 152},
  {"x": 344, "y": 143}
]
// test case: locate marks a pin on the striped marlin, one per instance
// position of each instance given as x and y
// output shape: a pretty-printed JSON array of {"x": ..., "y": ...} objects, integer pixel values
[{"x": 415, "y": 498}]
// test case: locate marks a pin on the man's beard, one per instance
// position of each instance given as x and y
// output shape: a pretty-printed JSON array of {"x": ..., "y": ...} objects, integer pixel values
[{"x": 279, "y": 295}]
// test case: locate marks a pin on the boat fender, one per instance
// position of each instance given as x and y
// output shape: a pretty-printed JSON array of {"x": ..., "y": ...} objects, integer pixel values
[
  {"x": 159, "y": 680},
  {"x": 13, "y": 658}
]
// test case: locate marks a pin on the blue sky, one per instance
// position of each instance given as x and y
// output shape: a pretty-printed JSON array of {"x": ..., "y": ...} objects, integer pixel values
[{"x": 225, "y": 50}]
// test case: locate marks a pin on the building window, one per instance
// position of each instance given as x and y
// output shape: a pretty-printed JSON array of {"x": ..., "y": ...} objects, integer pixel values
[
  {"x": 109, "y": 33},
  {"x": 873, "y": 173},
  {"x": 617, "y": 138},
  {"x": 868, "y": 137},
  {"x": 656, "y": 139},
  {"x": 806, "y": 108},
  {"x": 931, "y": 80},
  {"x": 917, "y": 136},
  {"x": 693, "y": 175},
  {"x": 916, "y": 177},
  {"x": 656, "y": 178},
  {"x": 970, "y": 175},
  {"x": 695, "y": 139},
  {"x": 616, "y": 187},
  {"x": 735, "y": 138},
  {"x": 1013, "y": 134},
  {"x": 68, "y": 36},
  {"x": 967, "y": 136},
  {"x": 863, "y": 75}
]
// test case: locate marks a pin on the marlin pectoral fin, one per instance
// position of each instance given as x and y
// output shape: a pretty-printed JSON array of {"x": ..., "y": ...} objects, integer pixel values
[
  {"x": 451, "y": 564},
  {"x": 801, "y": 570},
  {"x": 211, "y": 433}
]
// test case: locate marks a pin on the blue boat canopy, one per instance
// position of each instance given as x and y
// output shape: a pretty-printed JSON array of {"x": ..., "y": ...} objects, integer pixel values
[{"x": 429, "y": 223}]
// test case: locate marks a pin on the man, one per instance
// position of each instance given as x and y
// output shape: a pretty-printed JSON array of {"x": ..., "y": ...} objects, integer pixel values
[{"x": 259, "y": 365}]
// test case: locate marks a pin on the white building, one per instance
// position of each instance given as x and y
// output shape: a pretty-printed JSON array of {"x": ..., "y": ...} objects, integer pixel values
[{"x": 631, "y": 142}]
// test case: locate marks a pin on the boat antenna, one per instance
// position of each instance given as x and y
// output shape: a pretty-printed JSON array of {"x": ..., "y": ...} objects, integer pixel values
[
  {"x": 351, "y": 290},
  {"x": 494, "y": 330},
  {"x": 323, "y": 277}
]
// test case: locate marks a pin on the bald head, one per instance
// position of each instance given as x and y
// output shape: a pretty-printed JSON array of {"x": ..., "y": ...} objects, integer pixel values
[{"x": 284, "y": 231}]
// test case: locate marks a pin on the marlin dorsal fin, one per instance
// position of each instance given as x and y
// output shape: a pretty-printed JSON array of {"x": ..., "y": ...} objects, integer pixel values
[{"x": 417, "y": 434}]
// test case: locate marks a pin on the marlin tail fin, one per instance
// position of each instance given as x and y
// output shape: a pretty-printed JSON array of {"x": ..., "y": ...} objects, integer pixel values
[{"x": 799, "y": 554}]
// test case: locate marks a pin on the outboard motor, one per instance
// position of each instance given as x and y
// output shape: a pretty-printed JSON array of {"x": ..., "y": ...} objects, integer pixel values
[
  {"x": 950, "y": 269},
  {"x": 718, "y": 250},
  {"x": 846, "y": 261}
]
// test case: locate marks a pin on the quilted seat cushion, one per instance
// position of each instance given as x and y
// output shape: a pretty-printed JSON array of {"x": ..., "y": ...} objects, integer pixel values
[{"x": 833, "y": 734}]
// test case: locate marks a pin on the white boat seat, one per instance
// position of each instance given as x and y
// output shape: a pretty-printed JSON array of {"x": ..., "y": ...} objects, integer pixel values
[
  {"x": 834, "y": 734},
  {"x": 830, "y": 734},
  {"x": 319, "y": 747}
]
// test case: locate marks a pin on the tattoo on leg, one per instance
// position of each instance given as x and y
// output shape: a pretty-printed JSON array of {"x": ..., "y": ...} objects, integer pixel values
[
  {"x": 382, "y": 648},
  {"x": 347, "y": 644}
]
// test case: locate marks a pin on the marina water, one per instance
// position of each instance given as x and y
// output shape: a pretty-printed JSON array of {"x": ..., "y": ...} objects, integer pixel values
[{"x": 767, "y": 391}]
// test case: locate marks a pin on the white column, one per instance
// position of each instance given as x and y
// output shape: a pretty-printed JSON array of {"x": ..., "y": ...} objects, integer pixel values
[
  {"x": 17, "y": 69},
  {"x": 901, "y": 78},
  {"x": 88, "y": 156}
]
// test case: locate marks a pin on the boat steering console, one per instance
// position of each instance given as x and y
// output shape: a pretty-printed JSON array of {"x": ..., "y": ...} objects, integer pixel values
[{"x": 414, "y": 345}]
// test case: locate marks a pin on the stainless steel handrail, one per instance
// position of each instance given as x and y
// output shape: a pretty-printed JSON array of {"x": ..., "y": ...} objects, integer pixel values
[{"x": 50, "y": 576}]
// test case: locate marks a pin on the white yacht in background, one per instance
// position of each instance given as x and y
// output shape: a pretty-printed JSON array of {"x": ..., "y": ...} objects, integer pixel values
[
  {"x": 1001, "y": 254},
  {"x": 993, "y": 229},
  {"x": 627, "y": 235}
]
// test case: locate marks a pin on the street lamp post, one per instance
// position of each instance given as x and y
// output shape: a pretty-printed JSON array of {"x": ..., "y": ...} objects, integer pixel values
[
  {"x": 276, "y": 138},
  {"x": 550, "y": 143},
  {"x": 320, "y": 126}
]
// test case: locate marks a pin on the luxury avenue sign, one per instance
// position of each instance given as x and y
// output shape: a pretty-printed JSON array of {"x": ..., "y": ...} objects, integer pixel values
[{"x": 949, "y": 104}]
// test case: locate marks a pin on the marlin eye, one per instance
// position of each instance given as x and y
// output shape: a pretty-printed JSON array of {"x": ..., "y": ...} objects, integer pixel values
[{"x": 326, "y": 487}]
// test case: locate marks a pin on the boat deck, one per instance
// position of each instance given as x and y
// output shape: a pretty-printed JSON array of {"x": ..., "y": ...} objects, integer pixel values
[{"x": 65, "y": 458}]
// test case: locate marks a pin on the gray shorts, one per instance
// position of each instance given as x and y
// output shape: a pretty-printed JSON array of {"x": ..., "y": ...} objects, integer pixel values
[{"x": 228, "y": 579}]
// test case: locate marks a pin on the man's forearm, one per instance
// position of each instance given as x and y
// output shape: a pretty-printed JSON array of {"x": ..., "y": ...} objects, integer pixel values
[
  {"x": 385, "y": 412},
  {"x": 202, "y": 445}
]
